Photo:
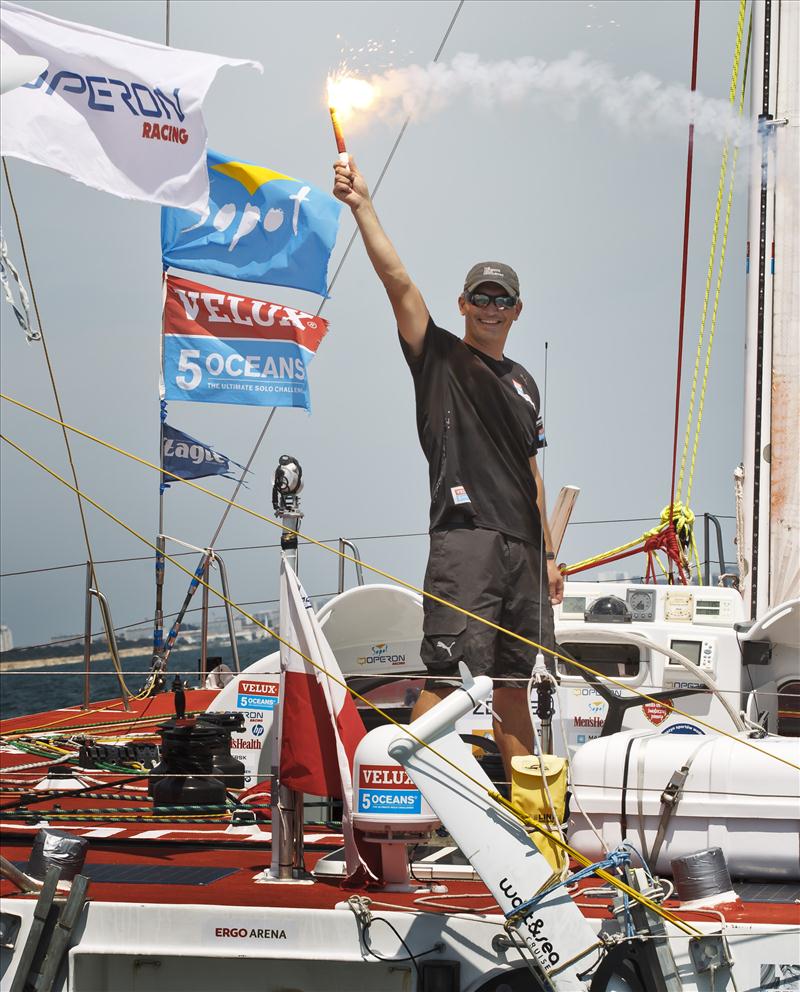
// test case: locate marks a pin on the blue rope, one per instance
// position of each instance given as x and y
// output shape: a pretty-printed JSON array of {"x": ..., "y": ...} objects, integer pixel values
[
  {"x": 645, "y": 865},
  {"x": 615, "y": 859}
]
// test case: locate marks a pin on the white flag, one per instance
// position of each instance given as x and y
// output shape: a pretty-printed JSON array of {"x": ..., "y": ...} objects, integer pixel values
[
  {"x": 320, "y": 727},
  {"x": 117, "y": 113}
]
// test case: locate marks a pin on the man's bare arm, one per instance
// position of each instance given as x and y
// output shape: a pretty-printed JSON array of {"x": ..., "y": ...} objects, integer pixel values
[
  {"x": 554, "y": 577},
  {"x": 409, "y": 307}
]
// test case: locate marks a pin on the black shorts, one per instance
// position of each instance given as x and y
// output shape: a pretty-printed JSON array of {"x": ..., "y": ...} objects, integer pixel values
[{"x": 496, "y": 577}]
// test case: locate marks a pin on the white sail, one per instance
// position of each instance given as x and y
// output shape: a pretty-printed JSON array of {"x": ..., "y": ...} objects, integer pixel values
[
  {"x": 784, "y": 547},
  {"x": 771, "y": 539}
]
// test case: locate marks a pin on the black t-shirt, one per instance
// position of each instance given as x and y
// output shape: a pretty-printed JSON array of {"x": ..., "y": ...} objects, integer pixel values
[{"x": 478, "y": 422}]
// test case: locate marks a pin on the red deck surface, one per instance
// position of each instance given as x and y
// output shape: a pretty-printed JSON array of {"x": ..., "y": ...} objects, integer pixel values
[{"x": 144, "y": 841}]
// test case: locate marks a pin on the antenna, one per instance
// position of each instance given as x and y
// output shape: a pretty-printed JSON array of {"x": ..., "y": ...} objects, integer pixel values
[{"x": 541, "y": 473}]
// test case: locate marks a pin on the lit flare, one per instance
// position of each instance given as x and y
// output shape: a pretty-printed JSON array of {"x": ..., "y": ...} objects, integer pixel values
[{"x": 346, "y": 95}]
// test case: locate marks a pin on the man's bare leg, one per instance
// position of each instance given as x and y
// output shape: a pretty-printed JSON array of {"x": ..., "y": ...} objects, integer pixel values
[
  {"x": 428, "y": 698},
  {"x": 514, "y": 736}
]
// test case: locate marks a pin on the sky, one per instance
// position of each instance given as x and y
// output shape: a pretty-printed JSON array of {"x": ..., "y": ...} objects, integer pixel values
[{"x": 585, "y": 199}]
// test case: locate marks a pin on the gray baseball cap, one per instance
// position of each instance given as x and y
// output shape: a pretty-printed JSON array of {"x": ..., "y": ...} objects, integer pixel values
[{"x": 497, "y": 272}]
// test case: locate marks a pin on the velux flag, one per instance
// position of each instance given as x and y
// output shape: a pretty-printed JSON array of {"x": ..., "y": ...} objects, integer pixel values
[
  {"x": 117, "y": 113},
  {"x": 188, "y": 458},
  {"x": 260, "y": 226},
  {"x": 224, "y": 348},
  {"x": 320, "y": 727}
]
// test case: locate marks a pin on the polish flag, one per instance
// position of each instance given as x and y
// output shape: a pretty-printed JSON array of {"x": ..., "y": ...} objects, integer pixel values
[{"x": 320, "y": 724}]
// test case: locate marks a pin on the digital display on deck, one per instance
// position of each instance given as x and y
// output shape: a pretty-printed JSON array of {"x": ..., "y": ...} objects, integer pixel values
[
  {"x": 574, "y": 604},
  {"x": 689, "y": 649}
]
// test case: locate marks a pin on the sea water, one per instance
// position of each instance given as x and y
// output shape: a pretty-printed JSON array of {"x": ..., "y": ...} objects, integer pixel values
[{"x": 33, "y": 690}]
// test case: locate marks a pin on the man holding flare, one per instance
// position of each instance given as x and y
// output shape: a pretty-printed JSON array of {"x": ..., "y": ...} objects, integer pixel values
[{"x": 480, "y": 429}]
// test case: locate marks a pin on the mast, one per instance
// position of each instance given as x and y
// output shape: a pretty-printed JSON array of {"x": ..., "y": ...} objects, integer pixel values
[{"x": 771, "y": 540}]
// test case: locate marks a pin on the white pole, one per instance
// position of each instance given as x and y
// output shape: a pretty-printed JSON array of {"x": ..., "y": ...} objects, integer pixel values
[{"x": 758, "y": 331}]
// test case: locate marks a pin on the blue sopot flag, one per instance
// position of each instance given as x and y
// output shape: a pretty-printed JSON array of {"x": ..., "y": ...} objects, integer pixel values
[
  {"x": 189, "y": 458},
  {"x": 261, "y": 226}
]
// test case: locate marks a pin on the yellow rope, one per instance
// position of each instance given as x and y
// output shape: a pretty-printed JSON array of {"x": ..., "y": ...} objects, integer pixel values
[
  {"x": 511, "y": 807},
  {"x": 719, "y": 279},
  {"x": 138, "y": 721},
  {"x": 684, "y": 518},
  {"x": 528, "y": 821},
  {"x": 682, "y": 521},
  {"x": 597, "y": 559},
  {"x": 713, "y": 249},
  {"x": 711, "y": 260},
  {"x": 459, "y": 609}
]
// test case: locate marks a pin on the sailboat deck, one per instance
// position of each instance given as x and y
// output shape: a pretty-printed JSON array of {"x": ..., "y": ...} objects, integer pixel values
[{"x": 137, "y": 858}]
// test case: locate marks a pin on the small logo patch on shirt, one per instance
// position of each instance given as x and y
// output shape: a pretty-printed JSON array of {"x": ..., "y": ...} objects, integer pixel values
[
  {"x": 521, "y": 390},
  {"x": 460, "y": 495}
]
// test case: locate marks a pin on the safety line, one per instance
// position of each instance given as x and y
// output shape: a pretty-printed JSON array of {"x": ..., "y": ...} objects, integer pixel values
[
  {"x": 50, "y": 370},
  {"x": 363, "y": 564},
  {"x": 401, "y": 582},
  {"x": 506, "y": 804},
  {"x": 518, "y": 813},
  {"x": 330, "y": 540}
]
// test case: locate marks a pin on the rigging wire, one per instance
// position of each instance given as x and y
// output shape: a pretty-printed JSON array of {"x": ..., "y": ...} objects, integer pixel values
[
  {"x": 50, "y": 370},
  {"x": 341, "y": 554},
  {"x": 684, "y": 274},
  {"x": 510, "y": 807},
  {"x": 543, "y": 570},
  {"x": 678, "y": 518},
  {"x": 712, "y": 252},
  {"x": 723, "y": 248},
  {"x": 240, "y": 480},
  {"x": 387, "y": 575},
  {"x": 500, "y": 800},
  {"x": 343, "y": 259},
  {"x": 327, "y": 540}
]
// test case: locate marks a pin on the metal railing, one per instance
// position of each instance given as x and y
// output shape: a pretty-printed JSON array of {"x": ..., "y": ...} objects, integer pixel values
[
  {"x": 345, "y": 545},
  {"x": 108, "y": 624}
]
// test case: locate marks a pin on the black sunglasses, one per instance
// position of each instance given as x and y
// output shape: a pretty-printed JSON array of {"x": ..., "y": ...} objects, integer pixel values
[{"x": 482, "y": 300}]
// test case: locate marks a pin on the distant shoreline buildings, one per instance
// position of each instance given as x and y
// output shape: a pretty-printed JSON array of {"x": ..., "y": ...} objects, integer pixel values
[{"x": 6, "y": 638}]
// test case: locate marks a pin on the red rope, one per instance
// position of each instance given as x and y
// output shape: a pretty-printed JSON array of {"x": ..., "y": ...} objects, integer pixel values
[
  {"x": 684, "y": 269},
  {"x": 665, "y": 540}
]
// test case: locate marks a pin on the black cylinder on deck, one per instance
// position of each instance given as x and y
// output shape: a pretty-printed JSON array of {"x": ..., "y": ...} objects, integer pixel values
[
  {"x": 701, "y": 875},
  {"x": 54, "y": 847},
  {"x": 184, "y": 776},
  {"x": 230, "y": 770}
]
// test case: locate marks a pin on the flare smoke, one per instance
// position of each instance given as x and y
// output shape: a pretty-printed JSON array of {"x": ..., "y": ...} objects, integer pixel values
[{"x": 639, "y": 101}]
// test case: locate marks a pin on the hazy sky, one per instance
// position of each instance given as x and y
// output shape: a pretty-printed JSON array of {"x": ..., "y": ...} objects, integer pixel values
[{"x": 589, "y": 212}]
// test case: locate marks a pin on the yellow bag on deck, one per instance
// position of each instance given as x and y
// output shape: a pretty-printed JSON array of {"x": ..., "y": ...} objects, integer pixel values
[{"x": 527, "y": 792}]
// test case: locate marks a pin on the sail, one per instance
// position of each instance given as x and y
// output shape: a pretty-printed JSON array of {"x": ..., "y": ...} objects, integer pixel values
[
  {"x": 770, "y": 543},
  {"x": 784, "y": 512}
]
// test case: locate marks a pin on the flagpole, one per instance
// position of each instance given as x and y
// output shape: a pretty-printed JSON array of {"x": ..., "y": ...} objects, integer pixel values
[
  {"x": 158, "y": 625},
  {"x": 286, "y": 805},
  {"x": 159, "y": 662}
]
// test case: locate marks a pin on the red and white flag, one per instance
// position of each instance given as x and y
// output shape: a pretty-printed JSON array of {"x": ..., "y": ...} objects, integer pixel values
[{"x": 320, "y": 724}]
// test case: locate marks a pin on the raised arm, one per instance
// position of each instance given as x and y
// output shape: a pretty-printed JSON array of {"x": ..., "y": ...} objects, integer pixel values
[
  {"x": 409, "y": 307},
  {"x": 555, "y": 579}
]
